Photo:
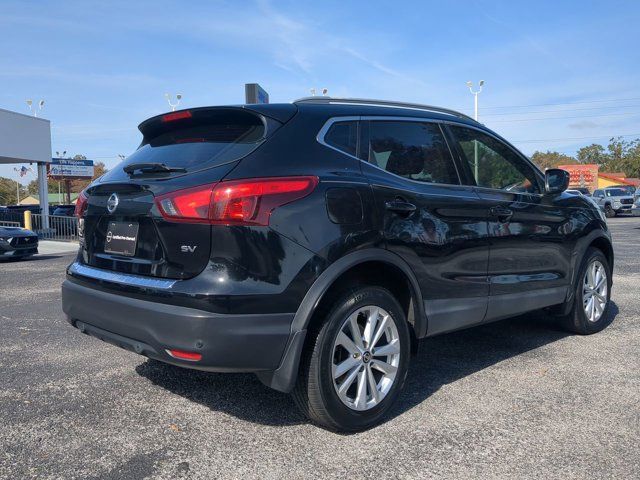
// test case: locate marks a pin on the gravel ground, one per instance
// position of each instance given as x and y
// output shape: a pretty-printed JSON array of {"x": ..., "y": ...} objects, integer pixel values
[{"x": 518, "y": 398}]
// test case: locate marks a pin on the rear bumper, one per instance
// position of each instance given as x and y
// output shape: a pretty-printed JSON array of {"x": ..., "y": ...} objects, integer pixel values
[{"x": 227, "y": 343}]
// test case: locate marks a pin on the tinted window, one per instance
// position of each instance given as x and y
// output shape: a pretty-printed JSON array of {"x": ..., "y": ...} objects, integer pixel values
[
  {"x": 615, "y": 192},
  {"x": 343, "y": 136},
  {"x": 210, "y": 139},
  {"x": 413, "y": 150},
  {"x": 493, "y": 164}
]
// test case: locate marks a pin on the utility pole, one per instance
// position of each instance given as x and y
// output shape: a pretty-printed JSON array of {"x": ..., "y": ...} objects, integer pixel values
[{"x": 475, "y": 94}]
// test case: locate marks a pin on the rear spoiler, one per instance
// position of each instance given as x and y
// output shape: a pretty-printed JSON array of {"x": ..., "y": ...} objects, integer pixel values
[{"x": 160, "y": 124}]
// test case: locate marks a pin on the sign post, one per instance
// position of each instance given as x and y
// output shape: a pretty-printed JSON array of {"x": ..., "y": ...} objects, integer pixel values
[{"x": 254, "y": 93}]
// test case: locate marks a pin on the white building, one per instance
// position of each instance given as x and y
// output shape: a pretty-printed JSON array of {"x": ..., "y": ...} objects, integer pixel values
[{"x": 27, "y": 139}]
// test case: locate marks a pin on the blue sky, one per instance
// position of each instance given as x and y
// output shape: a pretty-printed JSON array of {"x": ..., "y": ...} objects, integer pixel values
[{"x": 558, "y": 75}]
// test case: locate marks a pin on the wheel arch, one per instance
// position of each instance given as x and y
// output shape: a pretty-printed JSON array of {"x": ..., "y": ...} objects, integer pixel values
[
  {"x": 371, "y": 267},
  {"x": 338, "y": 275},
  {"x": 603, "y": 244}
]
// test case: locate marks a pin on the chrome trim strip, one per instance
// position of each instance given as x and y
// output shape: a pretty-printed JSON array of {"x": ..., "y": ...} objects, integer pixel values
[
  {"x": 325, "y": 128},
  {"x": 80, "y": 270},
  {"x": 382, "y": 103}
]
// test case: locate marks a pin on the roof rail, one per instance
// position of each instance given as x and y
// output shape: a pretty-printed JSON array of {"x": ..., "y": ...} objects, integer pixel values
[{"x": 382, "y": 103}]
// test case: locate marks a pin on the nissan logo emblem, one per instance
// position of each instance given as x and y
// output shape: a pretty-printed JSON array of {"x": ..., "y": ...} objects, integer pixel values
[{"x": 112, "y": 203}]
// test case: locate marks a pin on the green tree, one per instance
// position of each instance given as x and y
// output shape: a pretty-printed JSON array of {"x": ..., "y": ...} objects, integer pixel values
[
  {"x": 592, "y": 154},
  {"x": 551, "y": 159},
  {"x": 623, "y": 156},
  {"x": 8, "y": 191}
]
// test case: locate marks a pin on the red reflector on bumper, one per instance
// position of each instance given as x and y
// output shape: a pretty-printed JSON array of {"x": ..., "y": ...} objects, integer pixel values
[{"x": 190, "y": 356}]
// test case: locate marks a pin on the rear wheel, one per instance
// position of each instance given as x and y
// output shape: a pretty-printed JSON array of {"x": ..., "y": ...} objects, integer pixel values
[
  {"x": 355, "y": 362},
  {"x": 592, "y": 295}
]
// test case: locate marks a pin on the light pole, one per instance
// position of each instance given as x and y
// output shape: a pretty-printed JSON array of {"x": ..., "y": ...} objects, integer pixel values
[
  {"x": 475, "y": 94},
  {"x": 173, "y": 105},
  {"x": 32, "y": 110}
]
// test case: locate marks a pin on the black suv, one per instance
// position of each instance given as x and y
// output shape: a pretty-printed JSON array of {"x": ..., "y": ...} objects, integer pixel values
[{"x": 315, "y": 243}]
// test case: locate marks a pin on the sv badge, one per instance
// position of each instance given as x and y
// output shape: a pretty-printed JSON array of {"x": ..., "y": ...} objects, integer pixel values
[{"x": 188, "y": 248}]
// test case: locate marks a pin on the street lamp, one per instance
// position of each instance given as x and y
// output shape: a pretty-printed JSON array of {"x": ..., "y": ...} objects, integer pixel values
[
  {"x": 32, "y": 110},
  {"x": 475, "y": 94},
  {"x": 173, "y": 105}
]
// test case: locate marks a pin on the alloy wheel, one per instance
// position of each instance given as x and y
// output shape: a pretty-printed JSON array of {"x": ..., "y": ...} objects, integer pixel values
[
  {"x": 594, "y": 291},
  {"x": 366, "y": 356}
]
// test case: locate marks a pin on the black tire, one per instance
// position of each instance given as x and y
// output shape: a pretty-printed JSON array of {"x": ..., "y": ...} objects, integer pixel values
[
  {"x": 315, "y": 393},
  {"x": 576, "y": 321},
  {"x": 609, "y": 211}
]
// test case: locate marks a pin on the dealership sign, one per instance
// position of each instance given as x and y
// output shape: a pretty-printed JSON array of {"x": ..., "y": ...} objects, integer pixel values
[{"x": 67, "y": 168}]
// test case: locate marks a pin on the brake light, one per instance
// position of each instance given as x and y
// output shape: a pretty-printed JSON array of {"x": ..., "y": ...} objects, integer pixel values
[
  {"x": 171, "y": 117},
  {"x": 81, "y": 205},
  {"x": 182, "y": 355},
  {"x": 237, "y": 202}
]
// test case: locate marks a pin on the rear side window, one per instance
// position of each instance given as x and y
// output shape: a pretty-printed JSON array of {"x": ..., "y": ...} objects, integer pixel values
[
  {"x": 343, "y": 136},
  {"x": 413, "y": 150},
  {"x": 206, "y": 139}
]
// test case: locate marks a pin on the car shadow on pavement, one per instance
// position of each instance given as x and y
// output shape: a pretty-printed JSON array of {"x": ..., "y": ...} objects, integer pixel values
[
  {"x": 30, "y": 259},
  {"x": 440, "y": 361}
]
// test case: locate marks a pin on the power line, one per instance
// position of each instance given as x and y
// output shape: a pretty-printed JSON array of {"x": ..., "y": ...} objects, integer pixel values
[
  {"x": 564, "y": 118},
  {"x": 565, "y": 103},
  {"x": 575, "y": 138},
  {"x": 558, "y": 111}
]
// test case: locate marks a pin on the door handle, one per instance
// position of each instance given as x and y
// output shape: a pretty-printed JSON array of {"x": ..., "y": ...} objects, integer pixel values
[
  {"x": 400, "y": 206},
  {"x": 502, "y": 214}
]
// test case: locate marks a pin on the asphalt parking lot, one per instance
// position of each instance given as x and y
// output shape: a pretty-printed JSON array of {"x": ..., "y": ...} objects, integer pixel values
[{"x": 514, "y": 399}]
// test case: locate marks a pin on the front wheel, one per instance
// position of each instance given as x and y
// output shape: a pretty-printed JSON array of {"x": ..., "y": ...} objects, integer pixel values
[
  {"x": 592, "y": 295},
  {"x": 355, "y": 362},
  {"x": 609, "y": 211}
]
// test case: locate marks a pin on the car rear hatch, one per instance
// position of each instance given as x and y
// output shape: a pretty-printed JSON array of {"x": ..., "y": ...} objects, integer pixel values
[{"x": 122, "y": 227}]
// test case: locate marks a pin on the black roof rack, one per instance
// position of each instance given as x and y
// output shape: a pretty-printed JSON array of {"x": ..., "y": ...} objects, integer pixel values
[{"x": 382, "y": 103}]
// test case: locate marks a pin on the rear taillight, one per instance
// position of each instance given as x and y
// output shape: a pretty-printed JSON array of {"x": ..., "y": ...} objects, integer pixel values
[
  {"x": 81, "y": 205},
  {"x": 237, "y": 202}
]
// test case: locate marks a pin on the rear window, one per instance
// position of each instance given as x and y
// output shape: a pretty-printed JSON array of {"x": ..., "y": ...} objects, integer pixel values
[
  {"x": 207, "y": 139},
  {"x": 343, "y": 136}
]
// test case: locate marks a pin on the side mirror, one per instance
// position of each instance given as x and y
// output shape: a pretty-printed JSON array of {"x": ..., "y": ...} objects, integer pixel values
[{"x": 556, "y": 180}]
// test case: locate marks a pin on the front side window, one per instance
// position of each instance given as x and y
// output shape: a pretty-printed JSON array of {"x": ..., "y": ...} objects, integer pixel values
[
  {"x": 413, "y": 150},
  {"x": 493, "y": 164}
]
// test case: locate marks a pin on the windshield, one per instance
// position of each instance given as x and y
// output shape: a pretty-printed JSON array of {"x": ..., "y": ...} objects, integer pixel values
[{"x": 615, "y": 192}]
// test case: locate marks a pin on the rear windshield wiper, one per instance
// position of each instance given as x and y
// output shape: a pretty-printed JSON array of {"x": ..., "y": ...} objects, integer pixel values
[{"x": 151, "y": 168}]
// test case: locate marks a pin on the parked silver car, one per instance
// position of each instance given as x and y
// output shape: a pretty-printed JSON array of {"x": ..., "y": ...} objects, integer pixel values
[{"x": 613, "y": 200}]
